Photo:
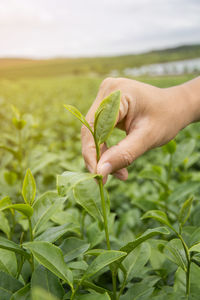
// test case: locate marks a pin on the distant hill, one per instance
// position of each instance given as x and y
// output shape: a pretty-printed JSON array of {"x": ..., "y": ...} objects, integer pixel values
[{"x": 19, "y": 68}]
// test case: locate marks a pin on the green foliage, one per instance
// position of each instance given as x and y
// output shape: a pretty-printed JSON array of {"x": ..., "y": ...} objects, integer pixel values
[
  {"x": 56, "y": 244},
  {"x": 106, "y": 117},
  {"x": 29, "y": 188},
  {"x": 52, "y": 258},
  {"x": 77, "y": 114}
]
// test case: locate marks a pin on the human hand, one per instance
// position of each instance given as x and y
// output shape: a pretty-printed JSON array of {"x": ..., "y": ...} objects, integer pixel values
[{"x": 150, "y": 117}]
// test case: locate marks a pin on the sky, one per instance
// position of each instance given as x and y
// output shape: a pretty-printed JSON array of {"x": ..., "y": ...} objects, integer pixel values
[{"x": 71, "y": 28}]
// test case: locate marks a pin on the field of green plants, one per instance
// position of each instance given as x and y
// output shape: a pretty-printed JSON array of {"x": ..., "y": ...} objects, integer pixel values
[{"x": 65, "y": 236}]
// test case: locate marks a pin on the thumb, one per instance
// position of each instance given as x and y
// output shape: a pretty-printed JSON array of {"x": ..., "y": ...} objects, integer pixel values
[{"x": 122, "y": 155}]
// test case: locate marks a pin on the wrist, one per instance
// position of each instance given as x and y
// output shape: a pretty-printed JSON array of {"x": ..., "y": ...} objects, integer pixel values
[{"x": 185, "y": 103}]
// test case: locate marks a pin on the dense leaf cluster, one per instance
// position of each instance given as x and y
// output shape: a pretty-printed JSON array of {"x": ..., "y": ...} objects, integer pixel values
[{"x": 52, "y": 238}]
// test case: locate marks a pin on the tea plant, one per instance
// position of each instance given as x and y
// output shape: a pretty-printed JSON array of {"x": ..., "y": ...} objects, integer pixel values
[{"x": 79, "y": 242}]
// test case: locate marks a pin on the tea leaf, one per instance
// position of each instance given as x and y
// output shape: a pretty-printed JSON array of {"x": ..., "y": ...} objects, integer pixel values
[
  {"x": 101, "y": 261},
  {"x": 159, "y": 216},
  {"x": 51, "y": 257},
  {"x": 84, "y": 191},
  {"x": 24, "y": 209},
  {"x": 175, "y": 252},
  {"x": 135, "y": 261},
  {"x": 78, "y": 115},
  {"x": 52, "y": 234},
  {"x": 4, "y": 225},
  {"x": 22, "y": 294},
  {"x": 185, "y": 211},
  {"x": 95, "y": 297},
  {"x": 41, "y": 294},
  {"x": 170, "y": 147},
  {"x": 8, "y": 286},
  {"x": 73, "y": 247},
  {"x": 10, "y": 245},
  {"x": 195, "y": 248},
  {"x": 106, "y": 117},
  {"x": 8, "y": 262},
  {"x": 5, "y": 202},
  {"x": 29, "y": 188},
  {"x": 183, "y": 190},
  {"x": 45, "y": 279},
  {"x": 44, "y": 208},
  {"x": 68, "y": 180}
]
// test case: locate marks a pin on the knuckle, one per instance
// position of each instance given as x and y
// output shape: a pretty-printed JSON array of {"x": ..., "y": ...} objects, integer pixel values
[
  {"x": 128, "y": 158},
  {"x": 107, "y": 82}
]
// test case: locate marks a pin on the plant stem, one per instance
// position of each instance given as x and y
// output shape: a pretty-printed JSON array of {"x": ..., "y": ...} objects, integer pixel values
[
  {"x": 30, "y": 229},
  {"x": 188, "y": 265},
  {"x": 20, "y": 267},
  {"x": 20, "y": 154},
  {"x": 103, "y": 205},
  {"x": 76, "y": 289},
  {"x": 122, "y": 287}
]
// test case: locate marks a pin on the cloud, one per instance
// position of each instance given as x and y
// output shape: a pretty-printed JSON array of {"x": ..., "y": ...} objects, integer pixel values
[{"x": 49, "y": 28}]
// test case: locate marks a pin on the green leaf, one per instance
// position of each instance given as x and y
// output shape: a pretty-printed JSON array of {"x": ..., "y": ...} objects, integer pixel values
[
  {"x": 87, "y": 195},
  {"x": 78, "y": 115},
  {"x": 156, "y": 173},
  {"x": 10, "y": 245},
  {"x": 101, "y": 261},
  {"x": 95, "y": 252},
  {"x": 78, "y": 265},
  {"x": 14, "y": 152},
  {"x": 29, "y": 188},
  {"x": 185, "y": 211},
  {"x": 183, "y": 190},
  {"x": 149, "y": 233},
  {"x": 51, "y": 257},
  {"x": 135, "y": 261},
  {"x": 5, "y": 202},
  {"x": 19, "y": 123},
  {"x": 22, "y": 294},
  {"x": 194, "y": 237},
  {"x": 195, "y": 248},
  {"x": 8, "y": 286},
  {"x": 73, "y": 247},
  {"x": 68, "y": 180},
  {"x": 84, "y": 191},
  {"x": 159, "y": 216},
  {"x": 8, "y": 262},
  {"x": 170, "y": 147},
  {"x": 46, "y": 280},
  {"x": 106, "y": 117},
  {"x": 52, "y": 234},
  {"x": 175, "y": 252},
  {"x": 10, "y": 177},
  {"x": 4, "y": 225},
  {"x": 92, "y": 286},
  {"x": 139, "y": 291},
  {"x": 184, "y": 150},
  {"x": 40, "y": 294},
  {"x": 24, "y": 209},
  {"x": 44, "y": 208},
  {"x": 95, "y": 297}
]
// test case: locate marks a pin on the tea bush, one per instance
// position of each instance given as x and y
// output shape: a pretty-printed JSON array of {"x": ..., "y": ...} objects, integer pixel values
[{"x": 137, "y": 239}]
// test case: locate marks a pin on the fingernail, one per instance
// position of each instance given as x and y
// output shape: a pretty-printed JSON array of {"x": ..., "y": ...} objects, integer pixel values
[{"x": 105, "y": 169}]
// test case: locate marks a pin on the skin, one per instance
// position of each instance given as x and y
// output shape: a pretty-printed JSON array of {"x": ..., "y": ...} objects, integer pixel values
[{"x": 150, "y": 116}]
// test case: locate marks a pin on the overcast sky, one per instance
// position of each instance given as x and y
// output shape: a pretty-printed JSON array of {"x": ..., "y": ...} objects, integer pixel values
[{"x": 54, "y": 28}]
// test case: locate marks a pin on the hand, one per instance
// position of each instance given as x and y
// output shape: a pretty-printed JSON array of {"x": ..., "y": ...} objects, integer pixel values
[{"x": 150, "y": 117}]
